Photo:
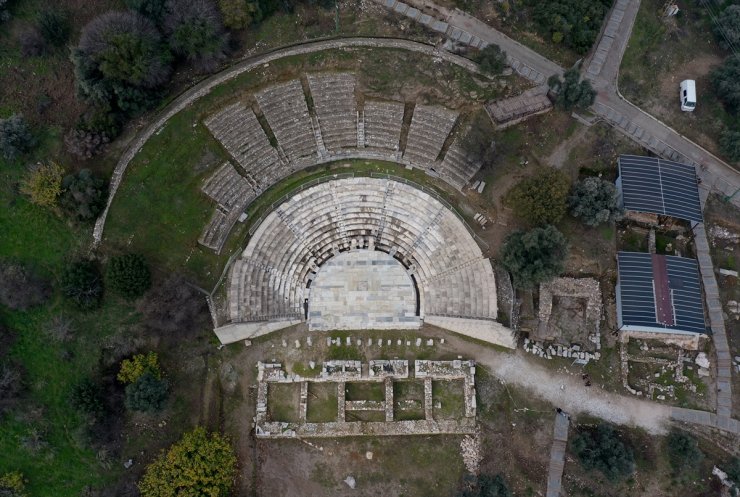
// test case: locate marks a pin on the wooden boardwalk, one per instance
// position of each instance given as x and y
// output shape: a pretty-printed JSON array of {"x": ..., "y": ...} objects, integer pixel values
[{"x": 557, "y": 454}]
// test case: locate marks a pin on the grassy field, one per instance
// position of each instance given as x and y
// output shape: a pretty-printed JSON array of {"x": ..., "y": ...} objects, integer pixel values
[{"x": 660, "y": 55}]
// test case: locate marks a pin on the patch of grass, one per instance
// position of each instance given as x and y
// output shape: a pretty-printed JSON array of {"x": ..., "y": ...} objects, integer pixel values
[
  {"x": 607, "y": 231},
  {"x": 322, "y": 402},
  {"x": 366, "y": 416},
  {"x": 323, "y": 475},
  {"x": 305, "y": 370},
  {"x": 450, "y": 397},
  {"x": 406, "y": 394},
  {"x": 365, "y": 390},
  {"x": 283, "y": 401}
]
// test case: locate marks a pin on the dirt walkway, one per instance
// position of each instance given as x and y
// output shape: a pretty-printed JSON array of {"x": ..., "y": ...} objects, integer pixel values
[
  {"x": 558, "y": 156},
  {"x": 566, "y": 391}
]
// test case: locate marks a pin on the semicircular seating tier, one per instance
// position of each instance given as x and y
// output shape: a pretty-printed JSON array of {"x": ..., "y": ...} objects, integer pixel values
[
  {"x": 413, "y": 261},
  {"x": 290, "y": 126}
]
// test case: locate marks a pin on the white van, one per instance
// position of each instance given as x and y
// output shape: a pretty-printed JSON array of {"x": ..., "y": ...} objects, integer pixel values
[{"x": 688, "y": 95}]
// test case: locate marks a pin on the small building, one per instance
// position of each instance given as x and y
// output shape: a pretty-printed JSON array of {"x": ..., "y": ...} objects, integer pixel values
[
  {"x": 660, "y": 187},
  {"x": 660, "y": 297}
]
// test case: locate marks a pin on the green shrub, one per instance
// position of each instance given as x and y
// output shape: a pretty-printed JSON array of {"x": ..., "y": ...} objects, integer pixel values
[
  {"x": 595, "y": 201},
  {"x": 134, "y": 368},
  {"x": 15, "y": 137},
  {"x": 199, "y": 464},
  {"x": 238, "y": 14},
  {"x": 726, "y": 82},
  {"x": 83, "y": 196},
  {"x": 195, "y": 32},
  {"x": 493, "y": 486},
  {"x": 535, "y": 256},
  {"x": 572, "y": 92},
  {"x": 603, "y": 449},
  {"x": 82, "y": 284},
  {"x": 87, "y": 396},
  {"x": 121, "y": 63},
  {"x": 727, "y": 28},
  {"x": 12, "y": 485},
  {"x": 683, "y": 452},
  {"x": 542, "y": 198},
  {"x": 54, "y": 26},
  {"x": 729, "y": 143},
  {"x": 151, "y": 9},
  {"x": 492, "y": 60},
  {"x": 128, "y": 275},
  {"x": 147, "y": 394},
  {"x": 575, "y": 23},
  {"x": 43, "y": 184}
]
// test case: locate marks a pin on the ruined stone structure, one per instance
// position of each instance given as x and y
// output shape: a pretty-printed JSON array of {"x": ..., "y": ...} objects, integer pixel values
[
  {"x": 340, "y": 239},
  {"x": 335, "y": 127},
  {"x": 379, "y": 371}
]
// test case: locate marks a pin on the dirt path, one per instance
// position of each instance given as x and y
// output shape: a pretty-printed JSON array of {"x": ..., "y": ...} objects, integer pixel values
[
  {"x": 558, "y": 156},
  {"x": 566, "y": 391}
]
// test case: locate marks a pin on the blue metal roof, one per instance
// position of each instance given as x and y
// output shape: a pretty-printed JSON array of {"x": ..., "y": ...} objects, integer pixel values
[
  {"x": 658, "y": 186},
  {"x": 636, "y": 297}
]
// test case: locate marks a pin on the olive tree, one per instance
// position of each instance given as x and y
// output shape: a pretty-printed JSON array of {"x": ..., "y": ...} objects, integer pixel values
[
  {"x": 196, "y": 33},
  {"x": 572, "y": 92},
  {"x": 535, "y": 256},
  {"x": 15, "y": 137},
  {"x": 121, "y": 62},
  {"x": 595, "y": 201}
]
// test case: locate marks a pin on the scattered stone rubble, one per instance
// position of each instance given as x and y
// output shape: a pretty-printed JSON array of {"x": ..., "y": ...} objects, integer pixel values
[
  {"x": 685, "y": 360},
  {"x": 470, "y": 449},
  {"x": 556, "y": 350}
]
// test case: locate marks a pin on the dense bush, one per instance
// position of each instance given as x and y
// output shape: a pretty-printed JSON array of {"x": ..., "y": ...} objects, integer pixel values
[
  {"x": 729, "y": 143},
  {"x": 727, "y": 29},
  {"x": 602, "y": 448},
  {"x": 83, "y": 195},
  {"x": 85, "y": 144},
  {"x": 11, "y": 384},
  {"x": 195, "y": 32},
  {"x": 134, "y": 368},
  {"x": 572, "y": 92},
  {"x": 43, "y": 184},
  {"x": 20, "y": 288},
  {"x": 534, "y": 256},
  {"x": 574, "y": 23},
  {"x": 128, "y": 275},
  {"x": 15, "y": 137},
  {"x": 31, "y": 42},
  {"x": 82, "y": 283},
  {"x": 12, "y": 484},
  {"x": 173, "y": 306},
  {"x": 726, "y": 82},
  {"x": 54, "y": 26},
  {"x": 199, "y": 464},
  {"x": 542, "y": 198},
  {"x": 121, "y": 62},
  {"x": 147, "y": 394},
  {"x": 683, "y": 452},
  {"x": 238, "y": 14},
  {"x": 492, "y": 60},
  {"x": 87, "y": 396},
  {"x": 4, "y": 12},
  {"x": 152, "y": 9},
  {"x": 595, "y": 201}
]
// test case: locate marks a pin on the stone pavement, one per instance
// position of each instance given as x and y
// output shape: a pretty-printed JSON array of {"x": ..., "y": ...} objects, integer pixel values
[
  {"x": 717, "y": 324},
  {"x": 705, "y": 418},
  {"x": 557, "y": 455},
  {"x": 467, "y": 30}
]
